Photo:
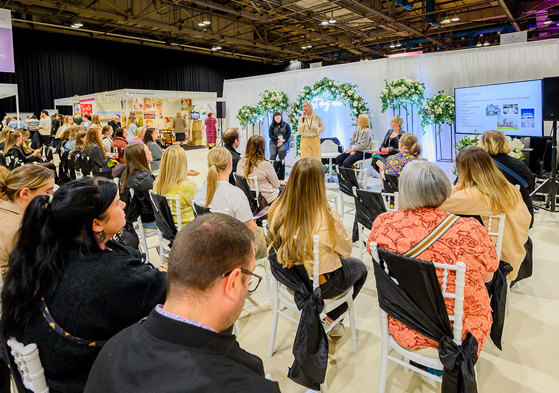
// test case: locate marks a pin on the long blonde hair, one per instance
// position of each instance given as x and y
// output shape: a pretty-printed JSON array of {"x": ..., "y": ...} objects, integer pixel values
[
  {"x": 26, "y": 176},
  {"x": 476, "y": 169},
  {"x": 172, "y": 171},
  {"x": 25, "y": 145},
  {"x": 298, "y": 212},
  {"x": 255, "y": 153},
  {"x": 218, "y": 159},
  {"x": 11, "y": 140},
  {"x": 409, "y": 141},
  {"x": 495, "y": 142}
]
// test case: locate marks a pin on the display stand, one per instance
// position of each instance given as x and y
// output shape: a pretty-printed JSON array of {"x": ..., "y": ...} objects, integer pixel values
[
  {"x": 439, "y": 145},
  {"x": 195, "y": 127}
]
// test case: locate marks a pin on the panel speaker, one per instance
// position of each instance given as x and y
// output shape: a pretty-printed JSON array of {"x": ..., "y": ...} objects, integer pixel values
[
  {"x": 551, "y": 98},
  {"x": 220, "y": 109}
]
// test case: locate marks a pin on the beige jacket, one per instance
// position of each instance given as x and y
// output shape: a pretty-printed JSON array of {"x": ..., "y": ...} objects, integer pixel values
[
  {"x": 268, "y": 182},
  {"x": 179, "y": 124},
  {"x": 472, "y": 202},
  {"x": 305, "y": 124},
  {"x": 10, "y": 221}
]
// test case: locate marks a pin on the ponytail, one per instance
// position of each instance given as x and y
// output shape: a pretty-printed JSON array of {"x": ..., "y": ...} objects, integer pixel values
[
  {"x": 211, "y": 184},
  {"x": 409, "y": 141},
  {"x": 415, "y": 149}
]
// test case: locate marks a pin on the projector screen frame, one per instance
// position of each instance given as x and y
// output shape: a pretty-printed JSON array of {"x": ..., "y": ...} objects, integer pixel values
[{"x": 503, "y": 83}]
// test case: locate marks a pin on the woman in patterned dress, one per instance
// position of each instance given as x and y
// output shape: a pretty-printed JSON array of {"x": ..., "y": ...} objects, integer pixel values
[
  {"x": 423, "y": 188},
  {"x": 211, "y": 133},
  {"x": 409, "y": 151}
]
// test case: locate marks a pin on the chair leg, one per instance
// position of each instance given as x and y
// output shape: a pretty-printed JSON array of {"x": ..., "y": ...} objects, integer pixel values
[
  {"x": 353, "y": 328},
  {"x": 273, "y": 333},
  {"x": 161, "y": 248},
  {"x": 383, "y": 355},
  {"x": 360, "y": 241},
  {"x": 341, "y": 202},
  {"x": 142, "y": 234}
]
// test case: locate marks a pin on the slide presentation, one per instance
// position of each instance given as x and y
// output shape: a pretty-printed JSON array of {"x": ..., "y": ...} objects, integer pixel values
[{"x": 513, "y": 108}]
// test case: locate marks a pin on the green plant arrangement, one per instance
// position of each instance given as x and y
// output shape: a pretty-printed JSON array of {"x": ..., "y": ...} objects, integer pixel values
[
  {"x": 399, "y": 93},
  {"x": 516, "y": 145},
  {"x": 270, "y": 102},
  {"x": 249, "y": 114},
  {"x": 437, "y": 110},
  {"x": 337, "y": 90}
]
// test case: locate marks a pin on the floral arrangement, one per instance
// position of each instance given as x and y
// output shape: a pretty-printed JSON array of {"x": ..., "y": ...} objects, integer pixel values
[
  {"x": 249, "y": 114},
  {"x": 272, "y": 101},
  {"x": 438, "y": 110},
  {"x": 401, "y": 92},
  {"x": 516, "y": 145},
  {"x": 200, "y": 109},
  {"x": 344, "y": 91}
]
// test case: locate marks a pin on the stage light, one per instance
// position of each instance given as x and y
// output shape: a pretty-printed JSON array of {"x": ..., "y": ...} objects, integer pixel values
[
  {"x": 303, "y": 47},
  {"x": 392, "y": 45},
  {"x": 201, "y": 24},
  {"x": 478, "y": 44},
  {"x": 206, "y": 22},
  {"x": 398, "y": 44},
  {"x": 547, "y": 21},
  {"x": 455, "y": 19},
  {"x": 486, "y": 43},
  {"x": 445, "y": 22},
  {"x": 216, "y": 48},
  {"x": 77, "y": 25},
  {"x": 324, "y": 23},
  {"x": 309, "y": 46},
  {"x": 332, "y": 21}
]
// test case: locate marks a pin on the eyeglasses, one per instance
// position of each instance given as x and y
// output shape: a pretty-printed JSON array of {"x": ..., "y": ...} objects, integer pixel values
[{"x": 254, "y": 280}]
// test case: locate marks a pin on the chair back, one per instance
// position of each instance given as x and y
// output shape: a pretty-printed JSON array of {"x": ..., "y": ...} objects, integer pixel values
[
  {"x": 85, "y": 165},
  {"x": 253, "y": 185},
  {"x": 243, "y": 184},
  {"x": 28, "y": 363},
  {"x": 348, "y": 178},
  {"x": 328, "y": 146},
  {"x": 163, "y": 215},
  {"x": 495, "y": 225},
  {"x": 199, "y": 209},
  {"x": 368, "y": 205},
  {"x": 427, "y": 303},
  {"x": 390, "y": 183},
  {"x": 175, "y": 206},
  {"x": 374, "y": 145}
]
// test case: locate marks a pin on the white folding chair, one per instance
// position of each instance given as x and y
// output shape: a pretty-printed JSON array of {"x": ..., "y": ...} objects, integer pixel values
[
  {"x": 26, "y": 358},
  {"x": 329, "y": 150},
  {"x": 361, "y": 175},
  {"x": 281, "y": 301},
  {"x": 428, "y": 357},
  {"x": 253, "y": 185},
  {"x": 143, "y": 233},
  {"x": 495, "y": 225},
  {"x": 372, "y": 147}
]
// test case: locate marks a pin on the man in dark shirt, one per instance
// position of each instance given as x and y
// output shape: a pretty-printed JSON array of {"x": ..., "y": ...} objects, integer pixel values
[
  {"x": 115, "y": 123},
  {"x": 186, "y": 345},
  {"x": 231, "y": 140}
]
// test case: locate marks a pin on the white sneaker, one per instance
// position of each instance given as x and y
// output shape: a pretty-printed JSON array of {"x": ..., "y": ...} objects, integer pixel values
[{"x": 336, "y": 331}]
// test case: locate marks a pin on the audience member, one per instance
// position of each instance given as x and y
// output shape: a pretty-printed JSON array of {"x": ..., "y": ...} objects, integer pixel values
[
  {"x": 86, "y": 286},
  {"x": 131, "y": 130},
  {"x": 483, "y": 190},
  {"x": 139, "y": 135},
  {"x": 409, "y": 151},
  {"x": 17, "y": 190},
  {"x": 231, "y": 140},
  {"x": 360, "y": 143},
  {"x": 86, "y": 123},
  {"x": 138, "y": 177},
  {"x": 13, "y": 149},
  {"x": 72, "y": 135},
  {"x": 33, "y": 124},
  {"x": 3, "y": 136},
  {"x": 515, "y": 171},
  {"x": 107, "y": 133},
  {"x": 115, "y": 123},
  {"x": 389, "y": 145},
  {"x": 78, "y": 118},
  {"x": 95, "y": 122},
  {"x": 100, "y": 160},
  {"x": 45, "y": 126},
  {"x": 172, "y": 181},
  {"x": 279, "y": 133},
  {"x": 255, "y": 164},
  {"x": 211, "y": 266},
  {"x": 79, "y": 143},
  {"x": 120, "y": 142},
  {"x": 150, "y": 140},
  {"x": 16, "y": 123},
  {"x": 423, "y": 187},
  {"x": 301, "y": 212}
]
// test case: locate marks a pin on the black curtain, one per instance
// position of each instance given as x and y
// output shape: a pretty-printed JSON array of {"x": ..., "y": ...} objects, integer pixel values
[{"x": 50, "y": 66}]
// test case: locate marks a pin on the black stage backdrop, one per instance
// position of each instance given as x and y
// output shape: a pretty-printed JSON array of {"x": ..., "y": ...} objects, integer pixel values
[{"x": 50, "y": 66}]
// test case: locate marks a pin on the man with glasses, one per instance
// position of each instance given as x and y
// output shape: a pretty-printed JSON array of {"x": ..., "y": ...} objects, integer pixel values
[{"x": 186, "y": 344}]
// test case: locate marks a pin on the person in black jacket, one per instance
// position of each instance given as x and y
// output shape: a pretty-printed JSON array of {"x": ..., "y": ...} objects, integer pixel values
[
  {"x": 13, "y": 152},
  {"x": 115, "y": 123},
  {"x": 98, "y": 157},
  {"x": 186, "y": 345},
  {"x": 231, "y": 140},
  {"x": 84, "y": 283},
  {"x": 516, "y": 171},
  {"x": 139, "y": 178},
  {"x": 279, "y": 134},
  {"x": 389, "y": 145}
]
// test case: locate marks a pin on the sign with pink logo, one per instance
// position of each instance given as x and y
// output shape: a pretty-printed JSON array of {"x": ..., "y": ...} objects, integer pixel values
[{"x": 6, "y": 42}]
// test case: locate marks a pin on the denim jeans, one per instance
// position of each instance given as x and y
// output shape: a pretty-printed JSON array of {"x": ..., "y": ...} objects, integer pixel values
[{"x": 352, "y": 273}]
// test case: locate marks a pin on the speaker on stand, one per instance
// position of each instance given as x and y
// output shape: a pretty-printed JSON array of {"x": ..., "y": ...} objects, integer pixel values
[{"x": 220, "y": 115}]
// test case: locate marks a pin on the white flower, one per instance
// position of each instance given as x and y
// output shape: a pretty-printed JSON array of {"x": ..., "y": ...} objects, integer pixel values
[{"x": 355, "y": 110}]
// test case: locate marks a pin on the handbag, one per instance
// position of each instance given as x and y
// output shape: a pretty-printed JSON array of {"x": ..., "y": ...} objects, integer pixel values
[{"x": 128, "y": 236}]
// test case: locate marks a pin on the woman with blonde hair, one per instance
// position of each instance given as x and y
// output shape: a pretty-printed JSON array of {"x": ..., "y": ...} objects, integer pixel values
[
  {"x": 217, "y": 194},
  {"x": 71, "y": 140},
  {"x": 95, "y": 122},
  {"x": 172, "y": 181},
  {"x": 13, "y": 150},
  {"x": 179, "y": 126},
  {"x": 17, "y": 190},
  {"x": 254, "y": 164},
  {"x": 483, "y": 190},
  {"x": 359, "y": 144},
  {"x": 310, "y": 127},
  {"x": 131, "y": 130},
  {"x": 301, "y": 212},
  {"x": 389, "y": 145},
  {"x": 139, "y": 135},
  {"x": 515, "y": 171}
]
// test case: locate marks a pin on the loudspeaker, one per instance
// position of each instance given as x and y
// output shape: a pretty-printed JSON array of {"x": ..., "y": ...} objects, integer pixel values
[
  {"x": 551, "y": 98},
  {"x": 220, "y": 109}
]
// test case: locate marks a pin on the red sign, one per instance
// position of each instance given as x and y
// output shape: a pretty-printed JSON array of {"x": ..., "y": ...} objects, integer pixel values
[{"x": 86, "y": 109}]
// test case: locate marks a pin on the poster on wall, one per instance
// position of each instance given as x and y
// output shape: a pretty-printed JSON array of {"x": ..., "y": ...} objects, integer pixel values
[
  {"x": 123, "y": 119},
  {"x": 6, "y": 42},
  {"x": 87, "y": 106},
  {"x": 106, "y": 116},
  {"x": 139, "y": 118},
  {"x": 186, "y": 104},
  {"x": 136, "y": 104},
  {"x": 153, "y": 108}
]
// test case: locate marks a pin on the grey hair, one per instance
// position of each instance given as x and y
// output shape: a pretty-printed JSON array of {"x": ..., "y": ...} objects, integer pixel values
[{"x": 422, "y": 185}]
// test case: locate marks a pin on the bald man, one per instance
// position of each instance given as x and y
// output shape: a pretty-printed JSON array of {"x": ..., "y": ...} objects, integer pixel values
[{"x": 310, "y": 126}]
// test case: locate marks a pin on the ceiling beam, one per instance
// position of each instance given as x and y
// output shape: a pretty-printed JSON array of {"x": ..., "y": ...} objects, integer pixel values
[{"x": 505, "y": 8}]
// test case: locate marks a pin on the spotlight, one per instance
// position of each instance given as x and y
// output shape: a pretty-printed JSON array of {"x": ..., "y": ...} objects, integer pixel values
[
  {"x": 398, "y": 44},
  {"x": 206, "y": 22},
  {"x": 324, "y": 23},
  {"x": 455, "y": 19},
  {"x": 332, "y": 21},
  {"x": 216, "y": 48},
  {"x": 303, "y": 47},
  {"x": 478, "y": 44},
  {"x": 486, "y": 43},
  {"x": 392, "y": 45}
]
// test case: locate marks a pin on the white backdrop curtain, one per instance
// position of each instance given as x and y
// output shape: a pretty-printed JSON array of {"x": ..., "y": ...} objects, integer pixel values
[{"x": 439, "y": 71}]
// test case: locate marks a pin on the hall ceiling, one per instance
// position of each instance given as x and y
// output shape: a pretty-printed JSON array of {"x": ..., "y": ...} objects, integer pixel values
[{"x": 277, "y": 31}]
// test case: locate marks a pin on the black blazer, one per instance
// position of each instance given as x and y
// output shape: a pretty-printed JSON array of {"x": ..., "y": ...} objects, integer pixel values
[
  {"x": 236, "y": 158},
  {"x": 392, "y": 144}
]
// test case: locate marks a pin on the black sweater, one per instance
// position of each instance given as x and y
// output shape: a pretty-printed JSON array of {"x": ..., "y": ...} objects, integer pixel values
[
  {"x": 167, "y": 356},
  {"x": 97, "y": 296},
  {"x": 392, "y": 144}
]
